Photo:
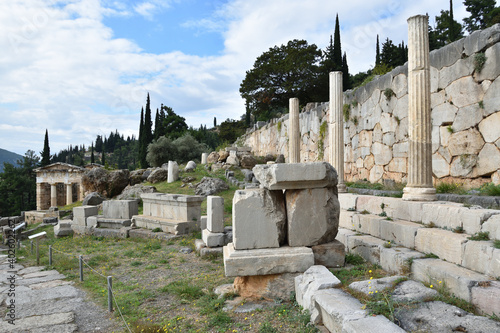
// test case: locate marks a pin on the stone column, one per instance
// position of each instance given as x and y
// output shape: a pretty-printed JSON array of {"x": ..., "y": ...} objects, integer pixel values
[
  {"x": 337, "y": 128},
  {"x": 39, "y": 190},
  {"x": 53, "y": 195},
  {"x": 69, "y": 194},
  {"x": 419, "y": 187},
  {"x": 81, "y": 192},
  {"x": 204, "y": 157},
  {"x": 294, "y": 132}
]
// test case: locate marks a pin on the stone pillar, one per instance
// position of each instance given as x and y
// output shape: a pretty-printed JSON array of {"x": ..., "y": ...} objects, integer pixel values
[
  {"x": 53, "y": 195},
  {"x": 419, "y": 187},
  {"x": 69, "y": 194},
  {"x": 39, "y": 190},
  {"x": 204, "y": 157},
  {"x": 294, "y": 132},
  {"x": 173, "y": 171},
  {"x": 337, "y": 128},
  {"x": 81, "y": 192}
]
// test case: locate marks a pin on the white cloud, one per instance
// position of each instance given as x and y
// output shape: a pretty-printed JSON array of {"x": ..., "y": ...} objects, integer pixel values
[{"x": 64, "y": 70}]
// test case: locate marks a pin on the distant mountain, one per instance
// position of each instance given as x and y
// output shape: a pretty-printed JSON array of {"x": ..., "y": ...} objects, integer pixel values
[{"x": 9, "y": 157}]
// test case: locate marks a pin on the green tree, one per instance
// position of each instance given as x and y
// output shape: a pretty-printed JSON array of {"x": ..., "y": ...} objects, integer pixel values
[
  {"x": 92, "y": 157},
  {"x": 142, "y": 152},
  {"x": 215, "y": 122},
  {"x": 175, "y": 126},
  {"x": 45, "y": 153},
  {"x": 279, "y": 74},
  {"x": 231, "y": 129},
  {"x": 480, "y": 11},
  {"x": 377, "y": 53},
  {"x": 346, "y": 78},
  {"x": 161, "y": 151},
  {"x": 148, "y": 124},
  {"x": 447, "y": 29},
  {"x": 18, "y": 185}
]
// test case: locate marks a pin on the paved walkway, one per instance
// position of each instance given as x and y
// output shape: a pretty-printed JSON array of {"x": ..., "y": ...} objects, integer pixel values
[{"x": 45, "y": 302}]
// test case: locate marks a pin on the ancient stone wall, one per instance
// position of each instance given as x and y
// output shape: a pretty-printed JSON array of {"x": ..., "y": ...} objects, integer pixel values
[{"x": 465, "y": 112}]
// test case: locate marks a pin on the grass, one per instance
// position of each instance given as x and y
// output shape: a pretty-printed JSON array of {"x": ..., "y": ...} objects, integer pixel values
[
  {"x": 496, "y": 244},
  {"x": 490, "y": 189},
  {"x": 450, "y": 188},
  {"x": 480, "y": 236}
]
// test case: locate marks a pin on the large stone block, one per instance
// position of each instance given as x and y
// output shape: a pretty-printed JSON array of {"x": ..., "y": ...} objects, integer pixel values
[
  {"x": 489, "y": 127},
  {"x": 367, "y": 247},
  {"x": 173, "y": 171},
  {"x": 343, "y": 236},
  {"x": 482, "y": 257},
  {"x": 330, "y": 254},
  {"x": 85, "y": 211},
  {"x": 486, "y": 296},
  {"x": 315, "y": 278},
  {"x": 371, "y": 324},
  {"x": 457, "y": 279},
  {"x": 63, "y": 229},
  {"x": 120, "y": 209},
  {"x": 313, "y": 216},
  {"x": 465, "y": 142},
  {"x": 492, "y": 226},
  {"x": 173, "y": 206},
  {"x": 285, "y": 176},
  {"x": 346, "y": 219},
  {"x": 266, "y": 261},
  {"x": 348, "y": 200},
  {"x": 215, "y": 214},
  {"x": 396, "y": 260},
  {"x": 445, "y": 244},
  {"x": 367, "y": 224},
  {"x": 212, "y": 239},
  {"x": 443, "y": 215},
  {"x": 259, "y": 219},
  {"x": 488, "y": 160},
  {"x": 399, "y": 232}
]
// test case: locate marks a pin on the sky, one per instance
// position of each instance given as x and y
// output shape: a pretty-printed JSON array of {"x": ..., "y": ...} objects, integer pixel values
[{"x": 82, "y": 68}]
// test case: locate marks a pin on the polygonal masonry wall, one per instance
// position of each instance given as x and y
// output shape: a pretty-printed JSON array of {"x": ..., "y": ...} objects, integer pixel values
[{"x": 465, "y": 136}]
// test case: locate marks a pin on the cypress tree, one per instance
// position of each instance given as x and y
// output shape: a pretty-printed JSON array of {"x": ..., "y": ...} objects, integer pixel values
[
  {"x": 46, "y": 150},
  {"x": 346, "y": 82},
  {"x": 215, "y": 122},
  {"x": 148, "y": 125},
  {"x": 103, "y": 159},
  {"x": 337, "y": 48},
  {"x": 92, "y": 157},
  {"x": 157, "y": 125},
  {"x": 141, "y": 140},
  {"x": 377, "y": 55}
]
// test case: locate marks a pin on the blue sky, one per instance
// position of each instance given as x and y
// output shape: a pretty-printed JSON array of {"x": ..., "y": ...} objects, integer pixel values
[{"x": 82, "y": 68}]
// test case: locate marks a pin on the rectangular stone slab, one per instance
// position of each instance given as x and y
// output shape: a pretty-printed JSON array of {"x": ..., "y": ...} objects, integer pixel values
[
  {"x": 266, "y": 261},
  {"x": 284, "y": 176}
]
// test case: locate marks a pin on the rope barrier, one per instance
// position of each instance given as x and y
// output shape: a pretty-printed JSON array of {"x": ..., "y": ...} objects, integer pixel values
[{"x": 93, "y": 270}]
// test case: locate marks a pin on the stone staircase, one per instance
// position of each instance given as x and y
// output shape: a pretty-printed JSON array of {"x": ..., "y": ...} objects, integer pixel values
[{"x": 428, "y": 240}]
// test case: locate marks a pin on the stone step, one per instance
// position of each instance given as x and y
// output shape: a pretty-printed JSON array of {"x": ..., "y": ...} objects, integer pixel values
[
  {"x": 442, "y": 214},
  {"x": 447, "y": 245},
  {"x": 167, "y": 225}
]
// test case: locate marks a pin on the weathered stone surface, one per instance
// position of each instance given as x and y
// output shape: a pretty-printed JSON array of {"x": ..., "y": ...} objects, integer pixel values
[
  {"x": 412, "y": 291},
  {"x": 399, "y": 232},
  {"x": 158, "y": 175},
  {"x": 447, "y": 55},
  {"x": 120, "y": 209},
  {"x": 440, "y": 167},
  {"x": 95, "y": 180},
  {"x": 443, "y": 114},
  {"x": 259, "y": 219},
  {"x": 213, "y": 157},
  {"x": 210, "y": 186},
  {"x": 296, "y": 175},
  {"x": 488, "y": 160},
  {"x": 491, "y": 69},
  {"x": 40, "y": 322},
  {"x": 63, "y": 229},
  {"x": 117, "y": 181},
  {"x": 313, "y": 216},
  {"x": 460, "y": 69},
  {"x": 485, "y": 297},
  {"x": 371, "y": 324},
  {"x": 273, "y": 286},
  {"x": 396, "y": 259},
  {"x": 400, "y": 149},
  {"x": 373, "y": 286},
  {"x": 204, "y": 157},
  {"x": 233, "y": 160},
  {"x": 465, "y": 142},
  {"x": 457, "y": 279},
  {"x": 367, "y": 247},
  {"x": 445, "y": 244},
  {"x": 266, "y": 261},
  {"x": 491, "y": 97},
  {"x": 481, "y": 256},
  {"x": 215, "y": 214},
  {"x": 442, "y": 317},
  {"x": 338, "y": 308},
  {"x": 223, "y": 155},
  {"x": 398, "y": 164},
  {"x": 382, "y": 153},
  {"x": 366, "y": 223},
  {"x": 247, "y": 161},
  {"x": 492, "y": 226},
  {"x": 190, "y": 166},
  {"x": 134, "y": 192},
  {"x": 467, "y": 117},
  {"x": 306, "y": 285},
  {"x": 462, "y": 165},
  {"x": 212, "y": 239},
  {"x": 464, "y": 91},
  {"x": 81, "y": 213},
  {"x": 173, "y": 171},
  {"x": 93, "y": 199},
  {"x": 480, "y": 39},
  {"x": 489, "y": 127},
  {"x": 330, "y": 254}
]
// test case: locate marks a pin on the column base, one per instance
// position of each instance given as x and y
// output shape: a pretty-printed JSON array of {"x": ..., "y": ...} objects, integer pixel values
[
  {"x": 419, "y": 194},
  {"x": 342, "y": 188}
]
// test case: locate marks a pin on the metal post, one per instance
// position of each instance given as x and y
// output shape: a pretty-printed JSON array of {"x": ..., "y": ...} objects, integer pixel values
[
  {"x": 81, "y": 268},
  {"x": 50, "y": 255},
  {"x": 18, "y": 244},
  {"x": 31, "y": 242},
  {"x": 110, "y": 295},
  {"x": 37, "y": 252}
]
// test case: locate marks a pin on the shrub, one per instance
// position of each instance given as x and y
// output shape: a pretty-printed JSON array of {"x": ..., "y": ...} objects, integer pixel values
[
  {"x": 188, "y": 148},
  {"x": 182, "y": 149},
  {"x": 161, "y": 151},
  {"x": 490, "y": 189},
  {"x": 479, "y": 61},
  {"x": 347, "y": 112}
]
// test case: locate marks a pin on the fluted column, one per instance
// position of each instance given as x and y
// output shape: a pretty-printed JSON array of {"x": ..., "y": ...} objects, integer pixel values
[
  {"x": 53, "y": 195},
  {"x": 39, "y": 196},
  {"x": 69, "y": 194},
  {"x": 419, "y": 186},
  {"x": 294, "y": 132},
  {"x": 337, "y": 128}
]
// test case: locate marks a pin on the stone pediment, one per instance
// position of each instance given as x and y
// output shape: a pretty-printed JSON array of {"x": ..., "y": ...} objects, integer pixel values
[{"x": 59, "y": 166}]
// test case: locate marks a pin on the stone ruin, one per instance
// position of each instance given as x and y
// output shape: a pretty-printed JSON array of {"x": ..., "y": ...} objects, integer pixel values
[{"x": 287, "y": 225}]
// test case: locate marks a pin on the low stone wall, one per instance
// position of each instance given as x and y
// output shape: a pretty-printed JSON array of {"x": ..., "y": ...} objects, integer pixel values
[{"x": 465, "y": 116}]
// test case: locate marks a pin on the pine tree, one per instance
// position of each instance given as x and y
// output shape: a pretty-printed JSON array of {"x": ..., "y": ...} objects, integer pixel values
[
  {"x": 480, "y": 11},
  {"x": 46, "y": 150},
  {"x": 92, "y": 157},
  {"x": 337, "y": 48}
]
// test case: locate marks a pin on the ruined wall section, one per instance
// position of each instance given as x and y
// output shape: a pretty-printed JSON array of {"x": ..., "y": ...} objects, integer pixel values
[{"x": 465, "y": 103}]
